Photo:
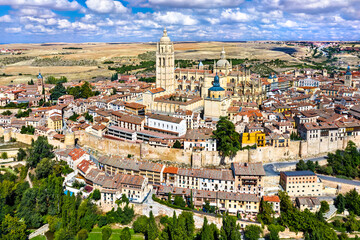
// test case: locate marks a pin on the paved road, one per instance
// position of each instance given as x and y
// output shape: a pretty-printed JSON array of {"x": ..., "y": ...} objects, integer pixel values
[
  {"x": 339, "y": 180},
  {"x": 271, "y": 168}
]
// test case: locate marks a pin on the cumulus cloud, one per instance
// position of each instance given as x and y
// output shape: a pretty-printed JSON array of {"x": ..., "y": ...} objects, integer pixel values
[
  {"x": 289, "y": 24},
  {"x": 196, "y": 3},
  {"x": 106, "y": 6},
  {"x": 13, "y": 30},
  {"x": 236, "y": 15},
  {"x": 175, "y": 18},
  {"x": 53, "y": 4},
  {"x": 5, "y": 18}
]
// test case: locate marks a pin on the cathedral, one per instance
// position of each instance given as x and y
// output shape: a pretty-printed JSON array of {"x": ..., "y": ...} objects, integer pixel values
[{"x": 208, "y": 90}]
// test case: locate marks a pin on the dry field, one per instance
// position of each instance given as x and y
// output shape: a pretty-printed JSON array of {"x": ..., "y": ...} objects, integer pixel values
[{"x": 23, "y": 71}]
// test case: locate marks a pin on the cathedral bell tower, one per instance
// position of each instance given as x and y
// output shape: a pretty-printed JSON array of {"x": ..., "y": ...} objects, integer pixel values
[
  {"x": 165, "y": 63},
  {"x": 348, "y": 77}
]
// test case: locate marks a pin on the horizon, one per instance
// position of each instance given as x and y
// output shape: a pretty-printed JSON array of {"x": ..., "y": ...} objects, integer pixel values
[{"x": 141, "y": 21}]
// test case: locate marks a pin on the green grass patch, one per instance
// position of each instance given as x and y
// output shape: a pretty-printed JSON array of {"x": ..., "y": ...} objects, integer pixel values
[
  {"x": 40, "y": 237},
  {"x": 96, "y": 234}
]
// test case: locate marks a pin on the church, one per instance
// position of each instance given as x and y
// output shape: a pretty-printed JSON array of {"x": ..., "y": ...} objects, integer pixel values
[{"x": 198, "y": 89}]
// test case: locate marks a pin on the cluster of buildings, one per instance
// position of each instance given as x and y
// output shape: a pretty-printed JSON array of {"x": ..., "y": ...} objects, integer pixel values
[{"x": 183, "y": 108}]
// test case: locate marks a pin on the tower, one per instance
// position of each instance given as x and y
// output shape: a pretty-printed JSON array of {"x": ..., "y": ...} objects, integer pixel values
[
  {"x": 348, "y": 77},
  {"x": 40, "y": 83},
  {"x": 165, "y": 63}
]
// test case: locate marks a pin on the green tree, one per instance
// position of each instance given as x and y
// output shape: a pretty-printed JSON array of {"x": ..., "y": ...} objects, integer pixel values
[
  {"x": 228, "y": 140},
  {"x": 82, "y": 234},
  {"x": 96, "y": 195},
  {"x": 39, "y": 149},
  {"x": 86, "y": 90},
  {"x": 274, "y": 231},
  {"x": 230, "y": 230},
  {"x": 125, "y": 234},
  {"x": 205, "y": 232},
  {"x": 266, "y": 214},
  {"x": 152, "y": 229},
  {"x": 58, "y": 91},
  {"x": 188, "y": 223},
  {"x": 301, "y": 165},
  {"x": 179, "y": 201},
  {"x": 13, "y": 229},
  {"x": 324, "y": 207},
  {"x": 340, "y": 203},
  {"x": 106, "y": 232},
  {"x": 4, "y": 155},
  {"x": 140, "y": 224},
  {"x": 252, "y": 232},
  {"x": 74, "y": 117},
  {"x": 177, "y": 144},
  {"x": 44, "y": 168}
]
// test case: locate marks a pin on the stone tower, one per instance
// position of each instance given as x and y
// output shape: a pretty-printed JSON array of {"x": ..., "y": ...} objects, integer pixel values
[
  {"x": 348, "y": 77},
  {"x": 165, "y": 64}
]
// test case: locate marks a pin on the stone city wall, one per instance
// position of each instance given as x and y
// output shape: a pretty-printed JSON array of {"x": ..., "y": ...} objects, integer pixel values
[{"x": 295, "y": 150}]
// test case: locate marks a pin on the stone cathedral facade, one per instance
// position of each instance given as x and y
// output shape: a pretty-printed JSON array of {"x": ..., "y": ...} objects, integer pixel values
[{"x": 193, "y": 85}]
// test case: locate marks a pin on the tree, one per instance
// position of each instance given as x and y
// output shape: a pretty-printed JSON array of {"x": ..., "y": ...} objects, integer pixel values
[
  {"x": 88, "y": 117},
  {"x": 252, "y": 232},
  {"x": 27, "y": 130},
  {"x": 86, "y": 90},
  {"x": 266, "y": 213},
  {"x": 228, "y": 140},
  {"x": 179, "y": 201},
  {"x": 58, "y": 91},
  {"x": 301, "y": 165},
  {"x": 140, "y": 224},
  {"x": 324, "y": 207},
  {"x": 13, "y": 229},
  {"x": 96, "y": 195},
  {"x": 205, "y": 232},
  {"x": 274, "y": 231},
  {"x": 44, "y": 168},
  {"x": 4, "y": 155},
  {"x": 7, "y": 113},
  {"x": 125, "y": 234},
  {"x": 230, "y": 230},
  {"x": 74, "y": 117},
  {"x": 340, "y": 203},
  {"x": 152, "y": 229},
  {"x": 82, "y": 234},
  {"x": 177, "y": 144},
  {"x": 39, "y": 149},
  {"x": 106, "y": 232}
]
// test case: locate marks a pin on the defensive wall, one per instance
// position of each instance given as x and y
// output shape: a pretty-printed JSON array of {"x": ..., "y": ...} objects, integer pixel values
[{"x": 295, "y": 150}]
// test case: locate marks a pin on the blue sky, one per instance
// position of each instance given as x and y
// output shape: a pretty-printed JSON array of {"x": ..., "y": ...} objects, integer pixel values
[{"x": 38, "y": 21}]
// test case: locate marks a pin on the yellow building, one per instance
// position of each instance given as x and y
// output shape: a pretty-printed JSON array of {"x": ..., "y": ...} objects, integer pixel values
[
  {"x": 249, "y": 139},
  {"x": 55, "y": 122}
]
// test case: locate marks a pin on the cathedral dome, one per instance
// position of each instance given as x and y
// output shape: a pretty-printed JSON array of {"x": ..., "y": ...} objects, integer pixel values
[
  {"x": 165, "y": 38},
  {"x": 222, "y": 62},
  {"x": 216, "y": 85}
]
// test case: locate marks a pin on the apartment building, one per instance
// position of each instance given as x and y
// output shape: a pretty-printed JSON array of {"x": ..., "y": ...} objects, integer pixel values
[
  {"x": 114, "y": 165},
  {"x": 301, "y": 183},
  {"x": 225, "y": 201},
  {"x": 249, "y": 178}
]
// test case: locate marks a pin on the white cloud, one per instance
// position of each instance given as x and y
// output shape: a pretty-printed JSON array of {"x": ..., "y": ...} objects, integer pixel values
[
  {"x": 106, "y": 6},
  {"x": 196, "y": 3},
  {"x": 13, "y": 30},
  {"x": 235, "y": 15},
  {"x": 175, "y": 18},
  {"x": 5, "y": 18},
  {"x": 37, "y": 12},
  {"x": 289, "y": 24},
  {"x": 53, "y": 4}
]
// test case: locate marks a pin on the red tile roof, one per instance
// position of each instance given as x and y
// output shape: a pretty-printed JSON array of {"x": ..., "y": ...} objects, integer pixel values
[
  {"x": 76, "y": 153},
  {"x": 271, "y": 198}
]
